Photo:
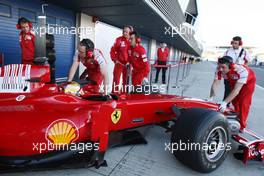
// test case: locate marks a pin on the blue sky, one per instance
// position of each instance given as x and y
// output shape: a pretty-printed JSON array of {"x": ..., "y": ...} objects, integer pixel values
[{"x": 220, "y": 20}]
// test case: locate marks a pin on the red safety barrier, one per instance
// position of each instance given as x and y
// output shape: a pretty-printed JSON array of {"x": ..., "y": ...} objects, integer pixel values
[
  {"x": 167, "y": 66},
  {"x": 166, "y": 61},
  {"x": 182, "y": 64},
  {"x": 163, "y": 66}
]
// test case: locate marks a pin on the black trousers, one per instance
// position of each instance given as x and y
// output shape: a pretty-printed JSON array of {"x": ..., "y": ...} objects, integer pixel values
[
  {"x": 227, "y": 89},
  {"x": 164, "y": 69}
]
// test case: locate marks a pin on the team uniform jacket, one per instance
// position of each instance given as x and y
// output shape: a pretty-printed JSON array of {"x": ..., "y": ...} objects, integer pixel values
[
  {"x": 163, "y": 54},
  {"x": 119, "y": 52},
  {"x": 93, "y": 68},
  {"x": 138, "y": 60},
  {"x": 242, "y": 102},
  {"x": 27, "y": 43},
  {"x": 234, "y": 53}
]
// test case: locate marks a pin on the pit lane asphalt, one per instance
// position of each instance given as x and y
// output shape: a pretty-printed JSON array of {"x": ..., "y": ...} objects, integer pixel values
[{"x": 259, "y": 71}]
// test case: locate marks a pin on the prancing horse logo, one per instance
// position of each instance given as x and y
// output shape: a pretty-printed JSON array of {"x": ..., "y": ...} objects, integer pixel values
[{"x": 115, "y": 116}]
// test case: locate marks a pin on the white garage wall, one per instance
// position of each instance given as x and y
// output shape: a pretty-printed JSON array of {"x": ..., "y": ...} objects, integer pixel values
[
  {"x": 153, "y": 52},
  {"x": 105, "y": 36},
  {"x": 171, "y": 55},
  {"x": 87, "y": 23}
]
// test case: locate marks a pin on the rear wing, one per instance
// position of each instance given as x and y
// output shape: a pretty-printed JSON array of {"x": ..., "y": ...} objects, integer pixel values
[
  {"x": 23, "y": 78},
  {"x": 13, "y": 78}
]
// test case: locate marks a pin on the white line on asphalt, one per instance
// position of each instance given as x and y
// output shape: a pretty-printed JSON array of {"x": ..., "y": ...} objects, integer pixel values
[{"x": 262, "y": 88}]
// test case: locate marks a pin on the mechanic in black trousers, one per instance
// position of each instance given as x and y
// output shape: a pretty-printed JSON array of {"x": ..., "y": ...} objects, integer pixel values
[{"x": 163, "y": 53}]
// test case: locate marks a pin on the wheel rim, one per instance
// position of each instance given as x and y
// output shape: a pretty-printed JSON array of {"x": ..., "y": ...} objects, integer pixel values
[{"x": 216, "y": 142}]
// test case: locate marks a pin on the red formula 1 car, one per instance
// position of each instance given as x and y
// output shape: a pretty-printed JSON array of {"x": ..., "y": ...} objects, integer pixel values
[{"x": 42, "y": 125}]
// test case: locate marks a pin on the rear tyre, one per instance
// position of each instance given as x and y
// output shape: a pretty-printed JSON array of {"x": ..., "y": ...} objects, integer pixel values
[{"x": 201, "y": 139}]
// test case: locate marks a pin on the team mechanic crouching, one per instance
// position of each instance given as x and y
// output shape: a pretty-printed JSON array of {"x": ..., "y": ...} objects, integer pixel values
[
  {"x": 242, "y": 81},
  {"x": 96, "y": 67}
]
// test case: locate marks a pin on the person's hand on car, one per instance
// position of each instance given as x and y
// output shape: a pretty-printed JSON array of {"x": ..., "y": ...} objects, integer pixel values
[{"x": 222, "y": 106}]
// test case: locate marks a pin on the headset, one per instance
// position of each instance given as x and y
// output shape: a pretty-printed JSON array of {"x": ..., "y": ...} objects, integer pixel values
[
  {"x": 89, "y": 45},
  {"x": 130, "y": 27},
  {"x": 237, "y": 38},
  {"x": 89, "y": 54},
  {"x": 226, "y": 60},
  {"x": 138, "y": 39},
  {"x": 23, "y": 20}
]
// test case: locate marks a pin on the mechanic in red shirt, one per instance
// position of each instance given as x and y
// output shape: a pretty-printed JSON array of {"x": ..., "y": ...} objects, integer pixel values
[
  {"x": 27, "y": 40},
  {"x": 163, "y": 54},
  {"x": 96, "y": 67},
  {"x": 242, "y": 81},
  {"x": 119, "y": 55},
  {"x": 138, "y": 60},
  {"x": 239, "y": 56}
]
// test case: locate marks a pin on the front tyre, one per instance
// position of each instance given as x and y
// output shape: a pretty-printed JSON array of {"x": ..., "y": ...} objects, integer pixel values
[{"x": 205, "y": 136}]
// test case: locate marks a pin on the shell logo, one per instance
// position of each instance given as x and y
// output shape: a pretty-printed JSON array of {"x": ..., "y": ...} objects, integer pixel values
[{"x": 61, "y": 132}]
